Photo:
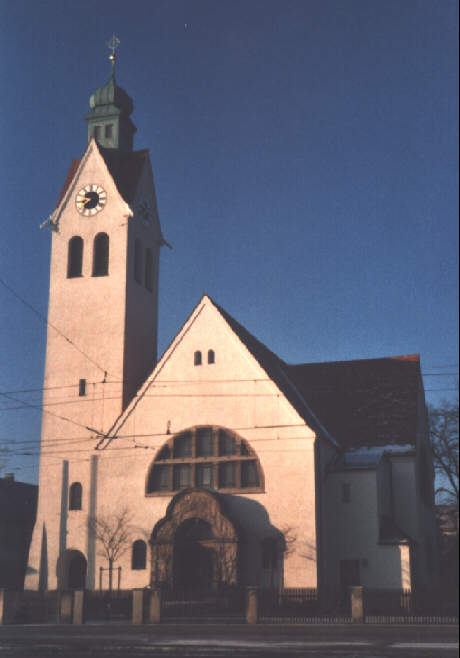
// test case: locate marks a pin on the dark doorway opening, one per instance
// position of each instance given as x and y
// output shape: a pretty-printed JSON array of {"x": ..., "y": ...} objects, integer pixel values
[
  {"x": 77, "y": 572},
  {"x": 193, "y": 560}
]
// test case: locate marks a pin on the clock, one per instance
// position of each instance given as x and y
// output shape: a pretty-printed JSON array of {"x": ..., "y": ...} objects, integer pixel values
[{"x": 90, "y": 200}]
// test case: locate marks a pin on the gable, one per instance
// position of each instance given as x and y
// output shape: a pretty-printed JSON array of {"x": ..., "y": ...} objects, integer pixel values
[
  {"x": 125, "y": 170},
  {"x": 231, "y": 391}
]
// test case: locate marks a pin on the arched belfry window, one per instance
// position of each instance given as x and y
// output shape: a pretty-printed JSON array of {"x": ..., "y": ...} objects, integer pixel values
[
  {"x": 101, "y": 255},
  {"x": 75, "y": 495},
  {"x": 138, "y": 261},
  {"x": 139, "y": 555},
  {"x": 211, "y": 356},
  {"x": 197, "y": 358},
  {"x": 206, "y": 456},
  {"x": 75, "y": 257},
  {"x": 148, "y": 270}
]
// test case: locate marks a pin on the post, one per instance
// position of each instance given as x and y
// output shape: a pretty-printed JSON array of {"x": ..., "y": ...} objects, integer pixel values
[
  {"x": 78, "y": 614},
  {"x": 9, "y": 601},
  {"x": 155, "y": 606},
  {"x": 252, "y": 606},
  {"x": 138, "y": 606},
  {"x": 65, "y": 607},
  {"x": 100, "y": 578},
  {"x": 357, "y": 604}
]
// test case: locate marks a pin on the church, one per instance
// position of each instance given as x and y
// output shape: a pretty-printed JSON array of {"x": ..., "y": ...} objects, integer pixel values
[{"x": 217, "y": 463}]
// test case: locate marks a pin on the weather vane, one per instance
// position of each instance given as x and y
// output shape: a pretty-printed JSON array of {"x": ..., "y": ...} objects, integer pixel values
[{"x": 113, "y": 45}]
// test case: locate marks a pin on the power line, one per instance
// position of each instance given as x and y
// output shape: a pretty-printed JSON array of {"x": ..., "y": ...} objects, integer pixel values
[
  {"x": 46, "y": 321},
  {"x": 45, "y": 411}
]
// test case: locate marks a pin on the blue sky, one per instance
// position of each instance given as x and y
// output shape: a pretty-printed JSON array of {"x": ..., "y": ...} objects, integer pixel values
[{"x": 306, "y": 161}]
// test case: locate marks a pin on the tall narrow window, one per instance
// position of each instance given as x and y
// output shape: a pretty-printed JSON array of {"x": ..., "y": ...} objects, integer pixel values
[
  {"x": 148, "y": 270},
  {"x": 75, "y": 496},
  {"x": 197, "y": 358},
  {"x": 211, "y": 356},
  {"x": 101, "y": 255},
  {"x": 138, "y": 261},
  {"x": 109, "y": 130},
  {"x": 82, "y": 387},
  {"x": 139, "y": 555},
  {"x": 97, "y": 133},
  {"x": 75, "y": 257}
]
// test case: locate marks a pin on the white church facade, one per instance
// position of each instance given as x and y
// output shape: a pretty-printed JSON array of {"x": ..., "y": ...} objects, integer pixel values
[{"x": 228, "y": 465}]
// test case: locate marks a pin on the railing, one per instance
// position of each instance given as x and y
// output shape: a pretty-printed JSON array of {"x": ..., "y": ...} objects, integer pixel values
[
  {"x": 108, "y": 606},
  {"x": 232, "y": 604},
  {"x": 225, "y": 602}
]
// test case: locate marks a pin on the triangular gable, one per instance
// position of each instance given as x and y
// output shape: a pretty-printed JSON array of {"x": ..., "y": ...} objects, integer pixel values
[
  {"x": 260, "y": 356},
  {"x": 125, "y": 170}
]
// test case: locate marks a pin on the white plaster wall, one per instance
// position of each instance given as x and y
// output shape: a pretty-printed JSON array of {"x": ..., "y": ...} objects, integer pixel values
[
  {"x": 353, "y": 532},
  {"x": 234, "y": 393}
]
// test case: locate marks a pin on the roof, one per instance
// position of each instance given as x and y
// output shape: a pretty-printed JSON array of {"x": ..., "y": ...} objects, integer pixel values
[
  {"x": 363, "y": 402},
  {"x": 18, "y": 500},
  {"x": 125, "y": 168},
  {"x": 368, "y": 402}
]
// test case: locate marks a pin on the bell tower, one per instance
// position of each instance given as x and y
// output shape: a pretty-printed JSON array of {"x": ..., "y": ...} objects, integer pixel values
[{"x": 102, "y": 324}]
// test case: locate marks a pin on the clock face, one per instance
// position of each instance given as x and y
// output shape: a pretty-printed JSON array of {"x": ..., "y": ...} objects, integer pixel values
[{"x": 90, "y": 200}]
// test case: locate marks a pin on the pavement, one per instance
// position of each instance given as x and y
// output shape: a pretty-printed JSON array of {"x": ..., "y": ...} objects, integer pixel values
[{"x": 239, "y": 641}]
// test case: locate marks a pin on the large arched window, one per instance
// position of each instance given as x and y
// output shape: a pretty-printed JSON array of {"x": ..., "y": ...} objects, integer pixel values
[
  {"x": 75, "y": 493},
  {"x": 205, "y": 456},
  {"x": 138, "y": 261},
  {"x": 148, "y": 270},
  {"x": 75, "y": 257},
  {"x": 139, "y": 555},
  {"x": 101, "y": 255}
]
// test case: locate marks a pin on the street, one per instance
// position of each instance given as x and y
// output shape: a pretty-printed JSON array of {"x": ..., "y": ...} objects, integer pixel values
[{"x": 47, "y": 641}]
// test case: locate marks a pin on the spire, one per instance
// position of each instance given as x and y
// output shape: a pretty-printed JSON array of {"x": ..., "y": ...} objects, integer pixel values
[{"x": 109, "y": 120}]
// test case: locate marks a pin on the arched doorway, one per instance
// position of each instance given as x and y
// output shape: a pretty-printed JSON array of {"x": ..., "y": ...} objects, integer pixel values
[
  {"x": 72, "y": 567},
  {"x": 193, "y": 560},
  {"x": 196, "y": 545}
]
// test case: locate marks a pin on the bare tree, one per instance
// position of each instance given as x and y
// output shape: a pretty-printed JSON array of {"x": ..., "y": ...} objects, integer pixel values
[
  {"x": 444, "y": 446},
  {"x": 113, "y": 533}
]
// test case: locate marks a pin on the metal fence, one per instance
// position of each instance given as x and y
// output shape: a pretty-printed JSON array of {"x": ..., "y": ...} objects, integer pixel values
[
  {"x": 227, "y": 604},
  {"x": 106, "y": 606}
]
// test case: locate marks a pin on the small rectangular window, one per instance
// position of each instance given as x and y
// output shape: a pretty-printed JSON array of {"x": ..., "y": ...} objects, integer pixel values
[
  {"x": 82, "y": 387},
  {"x": 182, "y": 476},
  {"x": 204, "y": 442},
  {"x": 226, "y": 444},
  {"x": 204, "y": 475},
  {"x": 97, "y": 133},
  {"x": 249, "y": 474},
  {"x": 346, "y": 492},
  {"x": 227, "y": 472},
  {"x": 160, "y": 478},
  {"x": 183, "y": 446},
  {"x": 109, "y": 130}
]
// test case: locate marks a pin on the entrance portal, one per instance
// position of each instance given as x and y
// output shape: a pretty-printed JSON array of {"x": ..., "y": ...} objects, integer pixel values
[{"x": 196, "y": 545}]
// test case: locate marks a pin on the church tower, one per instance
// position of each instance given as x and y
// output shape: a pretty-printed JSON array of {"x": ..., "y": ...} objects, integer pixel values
[{"x": 102, "y": 316}]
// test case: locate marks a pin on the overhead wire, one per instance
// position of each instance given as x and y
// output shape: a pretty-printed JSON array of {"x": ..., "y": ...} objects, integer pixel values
[{"x": 49, "y": 324}]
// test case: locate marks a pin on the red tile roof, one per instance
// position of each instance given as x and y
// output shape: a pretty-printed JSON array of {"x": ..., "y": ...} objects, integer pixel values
[{"x": 125, "y": 169}]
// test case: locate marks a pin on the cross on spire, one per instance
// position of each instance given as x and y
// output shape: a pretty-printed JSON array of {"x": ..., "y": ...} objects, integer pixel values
[{"x": 113, "y": 45}]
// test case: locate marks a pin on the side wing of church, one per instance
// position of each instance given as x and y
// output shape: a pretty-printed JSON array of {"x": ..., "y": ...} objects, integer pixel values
[{"x": 224, "y": 464}]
